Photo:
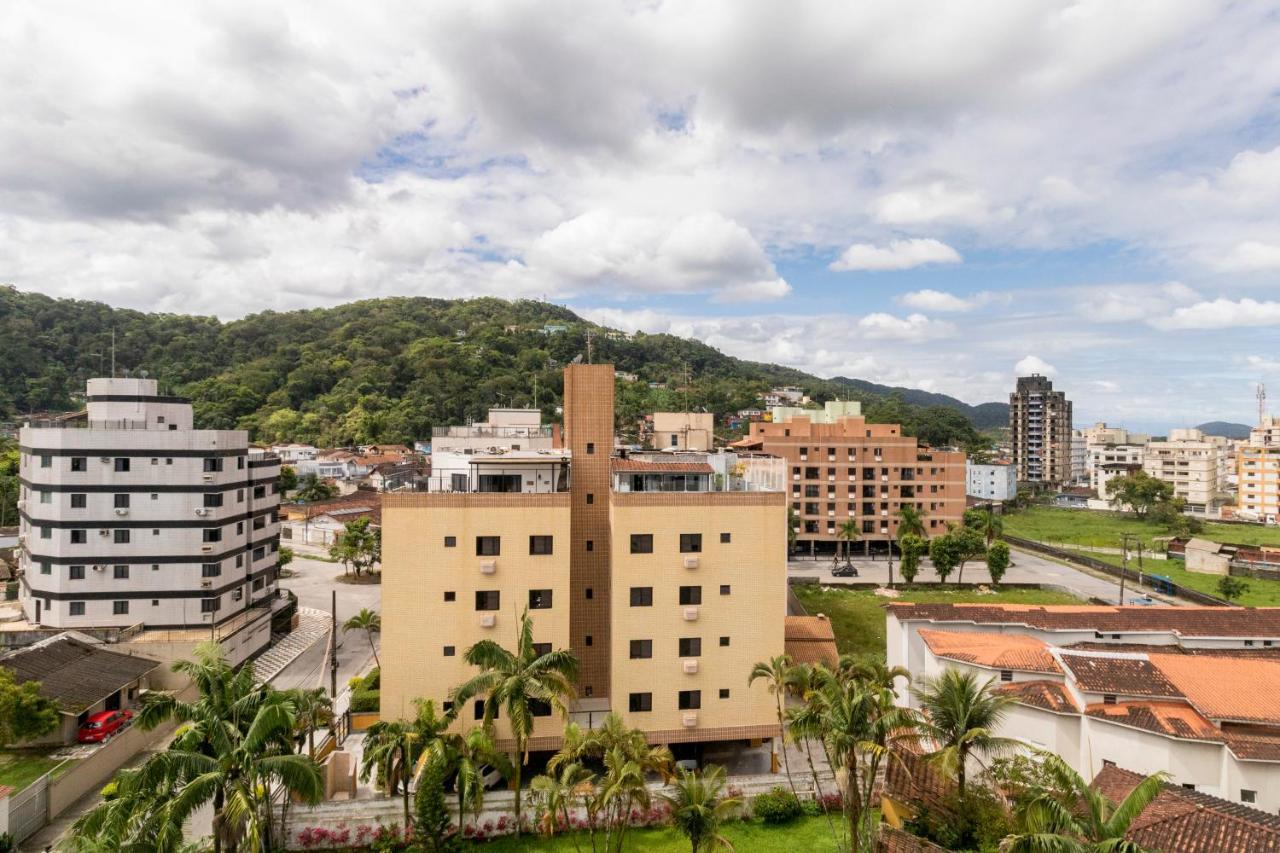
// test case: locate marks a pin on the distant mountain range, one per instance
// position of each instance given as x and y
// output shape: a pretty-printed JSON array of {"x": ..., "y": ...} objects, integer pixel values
[
  {"x": 1226, "y": 429},
  {"x": 982, "y": 416}
]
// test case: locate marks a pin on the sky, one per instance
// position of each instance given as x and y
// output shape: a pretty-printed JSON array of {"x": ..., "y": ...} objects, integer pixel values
[{"x": 938, "y": 195}]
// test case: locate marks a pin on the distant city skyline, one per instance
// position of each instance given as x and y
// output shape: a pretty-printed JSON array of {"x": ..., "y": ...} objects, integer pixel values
[{"x": 916, "y": 194}]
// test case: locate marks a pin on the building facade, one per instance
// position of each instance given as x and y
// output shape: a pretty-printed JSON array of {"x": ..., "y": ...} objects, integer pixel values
[
  {"x": 1108, "y": 461},
  {"x": 683, "y": 430},
  {"x": 850, "y": 470},
  {"x": 1193, "y": 463},
  {"x": 1040, "y": 431},
  {"x": 665, "y": 595},
  {"x": 1258, "y": 473},
  {"x": 130, "y": 516},
  {"x": 993, "y": 482}
]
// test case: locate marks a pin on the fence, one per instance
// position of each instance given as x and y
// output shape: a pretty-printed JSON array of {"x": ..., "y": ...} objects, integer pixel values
[
  {"x": 1116, "y": 572},
  {"x": 29, "y": 809}
]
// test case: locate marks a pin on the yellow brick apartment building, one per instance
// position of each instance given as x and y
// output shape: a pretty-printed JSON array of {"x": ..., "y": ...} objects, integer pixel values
[{"x": 667, "y": 589}]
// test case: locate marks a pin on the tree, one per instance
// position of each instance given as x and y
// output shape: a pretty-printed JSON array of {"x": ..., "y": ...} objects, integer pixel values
[
  {"x": 556, "y": 793},
  {"x": 847, "y": 533},
  {"x": 466, "y": 755},
  {"x": 960, "y": 715},
  {"x": 1232, "y": 588},
  {"x": 24, "y": 713},
  {"x": 698, "y": 807},
  {"x": 986, "y": 522},
  {"x": 1070, "y": 815},
  {"x": 1139, "y": 492},
  {"x": 371, "y": 623},
  {"x": 776, "y": 673},
  {"x": 519, "y": 682},
  {"x": 311, "y": 489},
  {"x": 391, "y": 747},
  {"x": 910, "y": 522},
  {"x": 431, "y": 816},
  {"x": 997, "y": 561},
  {"x": 359, "y": 547},
  {"x": 969, "y": 546},
  {"x": 288, "y": 479},
  {"x": 912, "y": 547},
  {"x": 284, "y": 557},
  {"x": 944, "y": 551},
  {"x": 312, "y": 709},
  {"x": 793, "y": 524}
]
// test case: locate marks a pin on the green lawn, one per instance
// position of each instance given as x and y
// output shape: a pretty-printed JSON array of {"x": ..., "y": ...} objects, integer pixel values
[
  {"x": 808, "y": 833},
  {"x": 20, "y": 769},
  {"x": 857, "y": 615},
  {"x": 1104, "y": 529},
  {"x": 1262, "y": 592}
]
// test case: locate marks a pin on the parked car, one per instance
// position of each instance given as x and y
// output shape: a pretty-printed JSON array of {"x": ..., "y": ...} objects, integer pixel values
[
  {"x": 690, "y": 764},
  {"x": 104, "y": 725},
  {"x": 848, "y": 570}
]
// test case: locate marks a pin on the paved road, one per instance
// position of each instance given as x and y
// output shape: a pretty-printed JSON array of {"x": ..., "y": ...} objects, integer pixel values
[
  {"x": 1026, "y": 568},
  {"x": 313, "y": 583}
]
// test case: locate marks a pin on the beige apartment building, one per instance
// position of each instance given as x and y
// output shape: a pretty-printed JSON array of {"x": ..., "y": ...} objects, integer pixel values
[
  {"x": 667, "y": 592},
  {"x": 1258, "y": 472},
  {"x": 843, "y": 468},
  {"x": 1193, "y": 463},
  {"x": 683, "y": 430}
]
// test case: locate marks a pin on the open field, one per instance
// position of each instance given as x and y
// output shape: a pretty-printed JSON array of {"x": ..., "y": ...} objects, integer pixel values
[
  {"x": 857, "y": 616},
  {"x": 1262, "y": 593},
  {"x": 806, "y": 833},
  {"x": 1104, "y": 529}
]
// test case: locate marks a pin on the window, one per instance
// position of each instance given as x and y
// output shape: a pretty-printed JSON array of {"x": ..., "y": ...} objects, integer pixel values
[
  {"x": 79, "y": 463},
  {"x": 239, "y": 528},
  {"x": 724, "y": 692},
  {"x": 690, "y": 647},
  {"x": 1247, "y": 796},
  {"x": 488, "y": 546},
  {"x": 259, "y": 491},
  {"x": 641, "y": 596},
  {"x": 46, "y": 461},
  {"x": 120, "y": 573},
  {"x": 46, "y": 568},
  {"x": 638, "y": 703},
  {"x": 210, "y": 605},
  {"x": 588, "y": 639},
  {"x": 1109, "y": 699},
  {"x": 78, "y": 537},
  {"x": 589, "y": 593},
  {"x": 450, "y": 595},
  {"x": 122, "y": 464},
  {"x": 539, "y": 708},
  {"x": 212, "y": 465},
  {"x": 591, "y": 546},
  {"x": 47, "y": 497},
  {"x": 641, "y": 543},
  {"x": 724, "y": 641},
  {"x": 477, "y": 709},
  {"x": 450, "y": 651},
  {"x": 724, "y": 589},
  {"x": 690, "y": 543},
  {"x": 213, "y": 499},
  {"x": 539, "y": 599},
  {"x": 689, "y": 700},
  {"x": 46, "y": 532},
  {"x": 488, "y": 599},
  {"x": 77, "y": 501},
  {"x": 121, "y": 537},
  {"x": 75, "y": 573},
  {"x": 690, "y": 595},
  {"x": 120, "y": 501},
  {"x": 258, "y": 584},
  {"x": 1006, "y": 675},
  {"x": 540, "y": 649},
  {"x": 591, "y": 447},
  {"x": 76, "y": 608},
  {"x": 212, "y": 534},
  {"x": 211, "y": 570},
  {"x": 239, "y": 496},
  {"x": 259, "y": 522},
  {"x": 119, "y": 608},
  {"x": 451, "y": 541},
  {"x": 641, "y": 649},
  {"x": 724, "y": 538},
  {"x": 539, "y": 545}
]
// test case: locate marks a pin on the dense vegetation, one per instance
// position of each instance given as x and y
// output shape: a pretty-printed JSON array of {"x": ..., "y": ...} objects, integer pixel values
[{"x": 390, "y": 369}]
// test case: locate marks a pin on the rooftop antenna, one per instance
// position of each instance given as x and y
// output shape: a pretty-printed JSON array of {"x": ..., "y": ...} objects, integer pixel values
[
  {"x": 590, "y": 344},
  {"x": 1262, "y": 403}
]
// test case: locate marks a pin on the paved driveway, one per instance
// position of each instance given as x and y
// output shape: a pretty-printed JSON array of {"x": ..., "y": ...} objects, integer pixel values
[{"x": 314, "y": 584}]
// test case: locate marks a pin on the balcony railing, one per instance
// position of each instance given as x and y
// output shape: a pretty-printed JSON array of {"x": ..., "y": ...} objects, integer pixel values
[
  {"x": 82, "y": 423},
  {"x": 478, "y": 431}
]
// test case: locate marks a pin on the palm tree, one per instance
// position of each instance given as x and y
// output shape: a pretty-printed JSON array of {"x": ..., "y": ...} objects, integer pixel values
[
  {"x": 517, "y": 682},
  {"x": 1078, "y": 818},
  {"x": 960, "y": 716},
  {"x": 557, "y": 792},
  {"x": 312, "y": 709},
  {"x": 371, "y": 623},
  {"x": 392, "y": 747},
  {"x": 777, "y": 675},
  {"x": 698, "y": 807},
  {"x": 466, "y": 755},
  {"x": 910, "y": 521},
  {"x": 847, "y": 533}
]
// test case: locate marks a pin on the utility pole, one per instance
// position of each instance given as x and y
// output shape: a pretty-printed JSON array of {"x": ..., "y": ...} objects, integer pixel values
[
  {"x": 1124, "y": 567},
  {"x": 333, "y": 645}
]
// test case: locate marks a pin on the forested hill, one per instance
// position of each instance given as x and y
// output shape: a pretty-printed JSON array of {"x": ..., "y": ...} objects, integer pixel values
[{"x": 387, "y": 369}]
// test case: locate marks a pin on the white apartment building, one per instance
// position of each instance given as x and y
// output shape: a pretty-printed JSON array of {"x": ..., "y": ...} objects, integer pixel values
[
  {"x": 1108, "y": 461},
  {"x": 131, "y": 517},
  {"x": 1079, "y": 457},
  {"x": 1193, "y": 463},
  {"x": 516, "y": 437},
  {"x": 994, "y": 482},
  {"x": 506, "y": 429}
]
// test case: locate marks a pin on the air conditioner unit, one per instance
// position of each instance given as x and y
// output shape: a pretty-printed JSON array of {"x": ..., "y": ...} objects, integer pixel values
[
  {"x": 98, "y": 567},
  {"x": 206, "y": 584},
  {"x": 691, "y": 666},
  {"x": 22, "y": 504},
  {"x": 104, "y": 532},
  {"x": 488, "y": 567},
  {"x": 237, "y": 595},
  {"x": 201, "y": 511},
  {"x": 206, "y": 548},
  {"x": 689, "y": 720},
  {"x": 122, "y": 511},
  {"x": 691, "y": 614},
  {"x": 691, "y": 562},
  {"x": 487, "y": 620},
  {"x": 208, "y": 478}
]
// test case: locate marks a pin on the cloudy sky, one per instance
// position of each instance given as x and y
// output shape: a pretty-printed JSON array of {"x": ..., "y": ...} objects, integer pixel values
[{"x": 931, "y": 194}]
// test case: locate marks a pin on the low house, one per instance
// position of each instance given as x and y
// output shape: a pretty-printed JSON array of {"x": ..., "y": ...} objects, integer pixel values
[
  {"x": 320, "y": 524},
  {"x": 82, "y": 675},
  {"x": 1208, "y": 557}
]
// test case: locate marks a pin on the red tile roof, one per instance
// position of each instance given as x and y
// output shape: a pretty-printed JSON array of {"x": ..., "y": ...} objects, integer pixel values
[
  {"x": 1110, "y": 673},
  {"x": 1184, "y": 621},
  {"x": 809, "y": 639},
  {"x": 644, "y": 466},
  {"x": 1252, "y": 743},
  {"x": 1174, "y": 719},
  {"x": 1045, "y": 694},
  {"x": 997, "y": 651},
  {"x": 1241, "y": 689}
]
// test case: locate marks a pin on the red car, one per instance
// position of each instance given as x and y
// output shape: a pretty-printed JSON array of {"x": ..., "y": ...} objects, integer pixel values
[{"x": 103, "y": 726}]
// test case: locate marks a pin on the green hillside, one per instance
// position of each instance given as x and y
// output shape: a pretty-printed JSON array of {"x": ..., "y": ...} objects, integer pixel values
[{"x": 386, "y": 369}]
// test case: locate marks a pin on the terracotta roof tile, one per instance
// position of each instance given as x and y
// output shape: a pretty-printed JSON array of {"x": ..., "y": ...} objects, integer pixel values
[
  {"x": 1222, "y": 688},
  {"x": 1185, "y": 621},
  {"x": 892, "y": 840},
  {"x": 1253, "y": 743},
  {"x": 74, "y": 673},
  {"x": 1049, "y": 695},
  {"x": 644, "y": 466},
  {"x": 911, "y": 778},
  {"x": 1110, "y": 673},
  {"x": 809, "y": 639},
  {"x": 998, "y": 651},
  {"x": 1174, "y": 719}
]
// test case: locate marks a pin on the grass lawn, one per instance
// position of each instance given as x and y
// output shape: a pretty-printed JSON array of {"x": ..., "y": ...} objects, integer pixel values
[
  {"x": 857, "y": 615},
  {"x": 20, "y": 769},
  {"x": 806, "y": 833},
  {"x": 1262, "y": 592},
  {"x": 1104, "y": 529}
]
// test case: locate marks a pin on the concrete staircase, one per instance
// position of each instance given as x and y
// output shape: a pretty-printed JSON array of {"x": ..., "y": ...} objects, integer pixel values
[{"x": 313, "y": 627}]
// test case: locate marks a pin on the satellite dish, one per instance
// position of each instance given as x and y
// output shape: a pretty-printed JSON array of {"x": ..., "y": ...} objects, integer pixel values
[{"x": 577, "y": 359}]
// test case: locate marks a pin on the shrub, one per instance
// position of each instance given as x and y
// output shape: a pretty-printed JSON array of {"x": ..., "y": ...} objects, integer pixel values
[
  {"x": 365, "y": 700},
  {"x": 777, "y": 806},
  {"x": 997, "y": 561}
]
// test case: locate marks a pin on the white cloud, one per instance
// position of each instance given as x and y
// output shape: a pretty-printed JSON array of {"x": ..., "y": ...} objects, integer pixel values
[
  {"x": 1126, "y": 303},
  {"x": 934, "y": 202},
  {"x": 937, "y": 300},
  {"x": 1263, "y": 364},
  {"x": 1222, "y": 314},
  {"x": 1033, "y": 364},
  {"x": 913, "y": 327},
  {"x": 897, "y": 255},
  {"x": 1252, "y": 255}
]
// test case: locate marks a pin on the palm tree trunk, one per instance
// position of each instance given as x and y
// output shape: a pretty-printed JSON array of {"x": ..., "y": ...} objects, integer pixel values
[
  {"x": 373, "y": 649},
  {"x": 960, "y": 774},
  {"x": 817, "y": 790},
  {"x": 519, "y": 769},
  {"x": 782, "y": 743},
  {"x": 218, "y": 801}
]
